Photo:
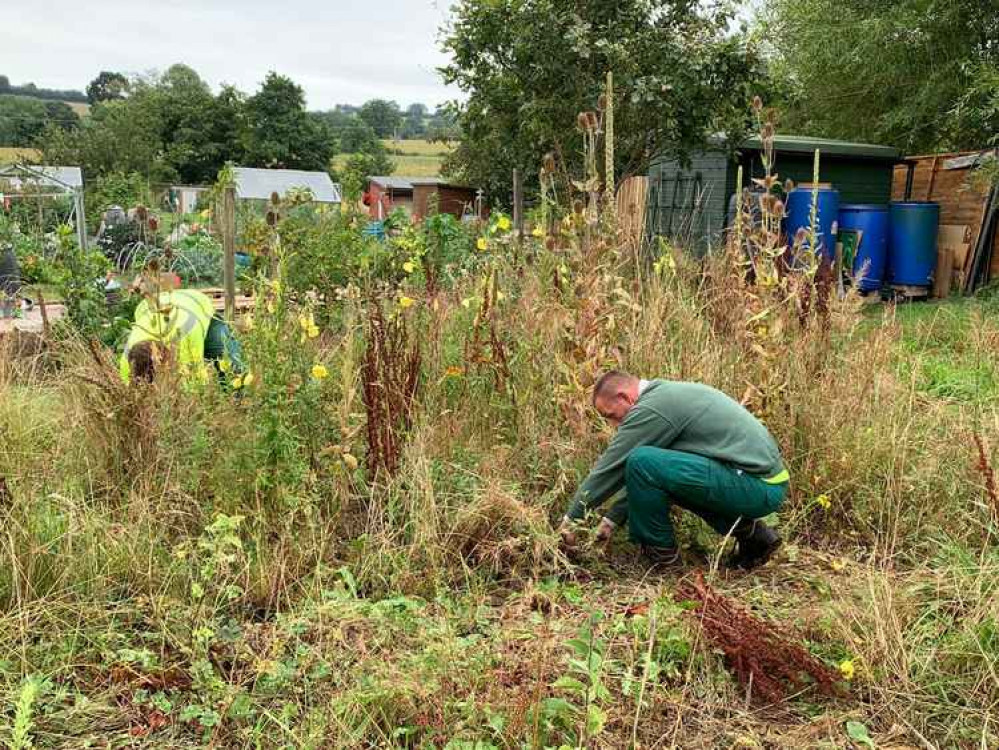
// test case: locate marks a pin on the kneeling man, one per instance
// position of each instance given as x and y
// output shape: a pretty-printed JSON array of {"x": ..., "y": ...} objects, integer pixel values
[{"x": 684, "y": 444}]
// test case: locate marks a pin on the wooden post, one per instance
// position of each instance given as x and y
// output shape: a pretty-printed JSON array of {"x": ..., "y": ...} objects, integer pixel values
[
  {"x": 228, "y": 221},
  {"x": 518, "y": 203}
]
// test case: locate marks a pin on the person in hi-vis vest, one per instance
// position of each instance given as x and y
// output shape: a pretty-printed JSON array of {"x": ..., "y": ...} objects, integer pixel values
[{"x": 183, "y": 326}]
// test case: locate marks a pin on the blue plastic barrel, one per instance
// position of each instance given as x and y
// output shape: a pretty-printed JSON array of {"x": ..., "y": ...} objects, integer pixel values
[
  {"x": 872, "y": 223},
  {"x": 912, "y": 247},
  {"x": 799, "y": 215}
]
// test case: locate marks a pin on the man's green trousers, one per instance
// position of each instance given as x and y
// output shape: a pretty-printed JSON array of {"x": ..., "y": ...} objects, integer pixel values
[{"x": 656, "y": 479}]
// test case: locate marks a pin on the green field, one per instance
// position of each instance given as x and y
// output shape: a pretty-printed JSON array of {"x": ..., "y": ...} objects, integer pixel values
[{"x": 411, "y": 158}]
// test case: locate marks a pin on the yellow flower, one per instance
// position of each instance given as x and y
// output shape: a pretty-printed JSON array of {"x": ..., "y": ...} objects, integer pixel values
[
  {"x": 824, "y": 501},
  {"x": 538, "y": 232},
  {"x": 225, "y": 365},
  {"x": 237, "y": 382},
  {"x": 482, "y": 244},
  {"x": 319, "y": 371},
  {"x": 312, "y": 331},
  {"x": 248, "y": 380},
  {"x": 837, "y": 565},
  {"x": 503, "y": 224},
  {"x": 405, "y": 302},
  {"x": 409, "y": 266},
  {"x": 467, "y": 302},
  {"x": 847, "y": 669}
]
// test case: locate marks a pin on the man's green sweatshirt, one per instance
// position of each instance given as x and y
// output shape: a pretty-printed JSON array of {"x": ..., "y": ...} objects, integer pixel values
[{"x": 688, "y": 417}]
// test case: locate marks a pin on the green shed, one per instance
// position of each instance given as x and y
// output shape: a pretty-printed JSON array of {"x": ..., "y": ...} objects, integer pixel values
[{"x": 689, "y": 203}]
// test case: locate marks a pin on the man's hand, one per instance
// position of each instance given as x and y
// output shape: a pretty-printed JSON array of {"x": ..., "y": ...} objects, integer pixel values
[
  {"x": 567, "y": 530},
  {"x": 605, "y": 531}
]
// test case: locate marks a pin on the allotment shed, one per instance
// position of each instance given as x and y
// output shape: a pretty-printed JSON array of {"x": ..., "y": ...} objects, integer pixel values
[{"x": 689, "y": 203}]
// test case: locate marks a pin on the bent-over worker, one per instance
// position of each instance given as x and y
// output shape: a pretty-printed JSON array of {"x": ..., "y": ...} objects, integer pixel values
[
  {"x": 683, "y": 444},
  {"x": 182, "y": 324}
]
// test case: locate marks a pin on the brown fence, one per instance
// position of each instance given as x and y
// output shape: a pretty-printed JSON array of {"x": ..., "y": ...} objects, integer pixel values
[{"x": 631, "y": 199}]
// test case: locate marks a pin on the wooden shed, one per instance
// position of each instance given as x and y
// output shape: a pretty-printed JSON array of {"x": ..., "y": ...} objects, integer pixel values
[
  {"x": 457, "y": 200},
  {"x": 948, "y": 179},
  {"x": 689, "y": 203}
]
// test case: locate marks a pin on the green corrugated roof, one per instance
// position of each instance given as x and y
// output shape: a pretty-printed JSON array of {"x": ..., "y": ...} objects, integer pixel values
[{"x": 804, "y": 144}]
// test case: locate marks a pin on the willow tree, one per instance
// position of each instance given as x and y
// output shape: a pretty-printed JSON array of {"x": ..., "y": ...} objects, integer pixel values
[{"x": 917, "y": 74}]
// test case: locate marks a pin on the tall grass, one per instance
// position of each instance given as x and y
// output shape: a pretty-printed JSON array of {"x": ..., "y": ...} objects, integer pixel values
[{"x": 186, "y": 566}]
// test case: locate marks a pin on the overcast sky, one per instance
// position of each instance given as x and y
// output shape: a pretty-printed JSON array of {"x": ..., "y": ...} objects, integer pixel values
[{"x": 339, "y": 51}]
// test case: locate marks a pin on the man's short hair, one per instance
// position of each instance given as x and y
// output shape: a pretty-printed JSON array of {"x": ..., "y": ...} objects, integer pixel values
[
  {"x": 143, "y": 358},
  {"x": 610, "y": 383}
]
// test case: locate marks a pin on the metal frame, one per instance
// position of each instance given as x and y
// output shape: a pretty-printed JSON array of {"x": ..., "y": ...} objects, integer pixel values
[{"x": 79, "y": 211}]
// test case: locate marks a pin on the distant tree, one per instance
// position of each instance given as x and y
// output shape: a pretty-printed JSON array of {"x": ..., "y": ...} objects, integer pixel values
[
  {"x": 107, "y": 87},
  {"x": 369, "y": 165},
  {"x": 382, "y": 115},
  {"x": 443, "y": 124},
  {"x": 23, "y": 119},
  {"x": 358, "y": 136},
  {"x": 528, "y": 69},
  {"x": 4, "y": 84},
  {"x": 279, "y": 131},
  {"x": 414, "y": 124},
  {"x": 908, "y": 73}
]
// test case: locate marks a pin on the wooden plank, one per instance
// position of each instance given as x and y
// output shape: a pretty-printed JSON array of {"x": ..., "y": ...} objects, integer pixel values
[
  {"x": 944, "y": 273},
  {"x": 228, "y": 220},
  {"x": 955, "y": 238}
]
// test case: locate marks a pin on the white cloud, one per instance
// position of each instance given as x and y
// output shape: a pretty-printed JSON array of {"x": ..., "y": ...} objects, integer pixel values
[{"x": 338, "y": 51}]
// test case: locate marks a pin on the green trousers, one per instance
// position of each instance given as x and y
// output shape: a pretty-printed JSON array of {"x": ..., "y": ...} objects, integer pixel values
[
  {"x": 221, "y": 343},
  {"x": 656, "y": 479}
]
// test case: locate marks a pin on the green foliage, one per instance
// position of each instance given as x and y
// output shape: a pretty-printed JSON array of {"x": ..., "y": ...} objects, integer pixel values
[
  {"x": 106, "y": 87},
  {"x": 528, "y": 69},
  {"x": 24, "y": 119},
  {"x": 382, "y": 116},
  {"x": 366, "y": 165},
  {"x": 924, "y": 74},
  {"x": 126, "y": 190},
  {"x": 280, "y": 133},
  {"x": 31, "y": 90}
]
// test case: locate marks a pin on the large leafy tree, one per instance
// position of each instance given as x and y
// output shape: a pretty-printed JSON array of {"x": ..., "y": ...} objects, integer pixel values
[
  {"x": 382, "y": 115},
  {"x": 917, "y": 74},
  {"x": 107, "y": 86},
  {"x": 528, "y": 68},
  {"x": 280, "y": 133}
]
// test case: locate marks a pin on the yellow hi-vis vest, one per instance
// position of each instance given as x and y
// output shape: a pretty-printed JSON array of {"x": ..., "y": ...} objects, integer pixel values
[{"x": 181, "y": 321}]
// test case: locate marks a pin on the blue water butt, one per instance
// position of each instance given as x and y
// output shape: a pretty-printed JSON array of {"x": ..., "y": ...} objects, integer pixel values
[
  {"x": 799, "y": 215},
  {"x": 872, "y": 222},
  {"x": 912, "y": 247}
]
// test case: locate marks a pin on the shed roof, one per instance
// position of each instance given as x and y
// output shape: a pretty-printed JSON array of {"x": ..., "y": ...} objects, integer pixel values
[
  {"x": 439, "y": 182},
  {"x": 828, "y": 146},
  {"x": 65, "y": 178},
  {"x": 259, "y": 184},
  {"x": 393, "y": 183}
]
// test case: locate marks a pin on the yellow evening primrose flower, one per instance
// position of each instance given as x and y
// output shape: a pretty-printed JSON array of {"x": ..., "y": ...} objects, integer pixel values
[
  {"x": 503, "y": 224},
  {"x": 409, "y": 266},
  {"x": 313, "y": 331},
  {"x": 319, "y": 371},
  {"x": 225, "y": 365},
  {"x": 847, "y": 669},
  {"x": 824, "y": 501},
  {"x": 237, "y": 382},
  {"x": 248, "y": 380},
  {"x": 538, "y": 232},
  {"x": 405, "y": 302},
  {"x": 482, "y": 244}
]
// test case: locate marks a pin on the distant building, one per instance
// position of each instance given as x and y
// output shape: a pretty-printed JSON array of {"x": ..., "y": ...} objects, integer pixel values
[
  {"x": 416, "y": 196},
  {"x": 386, "y": 194}
]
